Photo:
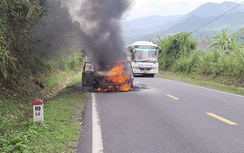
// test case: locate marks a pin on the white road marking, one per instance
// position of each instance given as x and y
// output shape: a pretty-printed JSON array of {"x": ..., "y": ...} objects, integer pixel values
[
  {"x": 215, "y": 90},
  {"x": 97, "y": 142}
]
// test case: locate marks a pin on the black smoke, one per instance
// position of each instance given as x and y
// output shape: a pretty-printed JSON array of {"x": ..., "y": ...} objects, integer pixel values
[{"x": 101, "y": 36}]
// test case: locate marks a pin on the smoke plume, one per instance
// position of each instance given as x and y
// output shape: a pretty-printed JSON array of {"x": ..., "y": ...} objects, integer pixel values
[{"x": 100, "y": 23}]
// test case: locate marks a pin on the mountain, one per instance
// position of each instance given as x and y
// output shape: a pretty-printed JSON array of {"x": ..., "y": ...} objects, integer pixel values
[
  {"x": 204, "y": 21},
  {"x": 146, "y": 25},
  {"x": 195, "y": 23},
  {"x": 150, "y": 21},
  {"x": 214, "y": 9}
]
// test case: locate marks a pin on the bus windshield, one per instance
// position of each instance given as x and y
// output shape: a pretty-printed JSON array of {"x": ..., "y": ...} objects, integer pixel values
[
  {"x": 145, "y": 47},
  {"x": 145, "y": 55}
]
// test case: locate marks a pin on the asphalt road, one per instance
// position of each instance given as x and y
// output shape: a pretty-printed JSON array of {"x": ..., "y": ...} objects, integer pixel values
[{"x": 169, "y": 116}]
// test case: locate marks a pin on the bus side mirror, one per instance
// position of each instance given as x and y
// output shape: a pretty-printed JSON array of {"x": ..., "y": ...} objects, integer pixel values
[{"x": 160, "y": 49}]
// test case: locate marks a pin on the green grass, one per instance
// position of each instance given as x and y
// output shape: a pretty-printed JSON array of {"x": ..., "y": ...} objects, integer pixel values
[
  {"x": 216, "y": 83},
  {"x": 11, "y": 114},
  {"x": 16, "y": 108},
  {"x": 75, "y": 80},
  {"x": 59, "y": 131},
  {"x": 55, "y": 77}
]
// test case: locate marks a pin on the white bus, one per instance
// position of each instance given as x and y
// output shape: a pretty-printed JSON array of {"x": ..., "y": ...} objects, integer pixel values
[{"x": 144, "y": 58}]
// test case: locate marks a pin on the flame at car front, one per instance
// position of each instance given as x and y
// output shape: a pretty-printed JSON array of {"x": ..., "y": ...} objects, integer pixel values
[{"x": 118, "y": 78}]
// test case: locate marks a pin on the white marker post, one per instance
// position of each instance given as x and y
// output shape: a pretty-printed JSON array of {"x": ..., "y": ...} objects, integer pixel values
[{"x": 38, "y": 113}]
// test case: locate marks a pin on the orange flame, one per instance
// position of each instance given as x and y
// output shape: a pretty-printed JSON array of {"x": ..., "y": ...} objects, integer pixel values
[
  {"x": 117, "y": 74},
  {"x": 118, "y": 77},
  {"x": 125, "y": 87}
]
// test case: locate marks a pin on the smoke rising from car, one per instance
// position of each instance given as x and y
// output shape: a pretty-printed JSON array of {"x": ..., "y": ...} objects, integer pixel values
[{"x": 101, "y": 36}]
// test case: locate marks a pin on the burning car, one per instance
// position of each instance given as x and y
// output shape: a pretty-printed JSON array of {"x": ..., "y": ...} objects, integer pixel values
[{"x": 118, "y": 78}]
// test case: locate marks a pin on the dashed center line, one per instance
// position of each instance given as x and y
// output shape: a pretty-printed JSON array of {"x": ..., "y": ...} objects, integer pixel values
[
  {"x": 222, "y": 119},
  {"x": 175, "y": 98}
]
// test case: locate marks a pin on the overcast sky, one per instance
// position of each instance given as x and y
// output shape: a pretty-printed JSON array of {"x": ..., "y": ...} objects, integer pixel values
[{"x": 144, "y": 8}]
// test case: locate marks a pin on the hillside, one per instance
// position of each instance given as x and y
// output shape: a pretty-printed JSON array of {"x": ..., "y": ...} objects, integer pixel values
[
  {"x": 214, "y": 9},
  {"x": 239, "y": 35},
  {"x": 40, "y": 53},
  {"x": 195, "y": 21},
  {"x": 150, "y": 21},
  {"x": 146, "y": 25}
]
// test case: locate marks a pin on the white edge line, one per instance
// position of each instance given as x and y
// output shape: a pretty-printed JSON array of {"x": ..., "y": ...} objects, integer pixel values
[
  {"x": 223, "y": 92},
  {"x": 97, "y": 142}
]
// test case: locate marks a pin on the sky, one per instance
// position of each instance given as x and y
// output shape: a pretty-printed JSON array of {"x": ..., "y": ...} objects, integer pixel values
[{"x": 144, "y": 8}]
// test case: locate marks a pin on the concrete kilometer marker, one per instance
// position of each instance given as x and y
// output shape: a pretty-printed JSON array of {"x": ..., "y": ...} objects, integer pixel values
[{"x": 38, "y": 113}]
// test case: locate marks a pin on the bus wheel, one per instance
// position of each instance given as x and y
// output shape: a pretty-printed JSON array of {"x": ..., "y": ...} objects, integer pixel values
[{"x": 152, "y": 75}]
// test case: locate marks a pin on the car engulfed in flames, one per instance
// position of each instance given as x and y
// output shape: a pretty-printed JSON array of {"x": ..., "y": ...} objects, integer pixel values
[{"x": 118, "y": 78}]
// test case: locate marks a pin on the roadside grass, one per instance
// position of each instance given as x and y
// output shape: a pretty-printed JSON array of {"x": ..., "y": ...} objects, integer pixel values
[
  {"x": 55, "y": 77},
  {"x": 75, "y": 80},
  {"x": 219, "y": 83},
  {"x": 16, "y": 108},
  {"x": 62, "y": 116}
]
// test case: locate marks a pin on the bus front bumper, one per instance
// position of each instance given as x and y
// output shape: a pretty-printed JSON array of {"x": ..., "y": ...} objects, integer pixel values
[{"x": 138, "y": 71}]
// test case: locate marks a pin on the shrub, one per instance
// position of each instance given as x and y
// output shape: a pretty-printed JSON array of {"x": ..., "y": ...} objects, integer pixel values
[
  {"x": 175, "y": 47},
  {"x": 187, "y": 64}
]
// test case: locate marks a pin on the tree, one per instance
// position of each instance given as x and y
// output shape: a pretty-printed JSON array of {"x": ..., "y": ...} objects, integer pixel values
[
  {"x": 17, "y": 21},
  {"x": 223, "y": 41}
]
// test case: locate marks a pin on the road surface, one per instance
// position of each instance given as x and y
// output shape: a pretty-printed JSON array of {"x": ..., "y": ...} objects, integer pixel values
[{"x": 167, "y": 117}]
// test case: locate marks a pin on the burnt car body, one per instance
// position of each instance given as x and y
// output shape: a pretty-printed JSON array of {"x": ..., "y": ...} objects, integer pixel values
[{"x": 94, "y": 77}]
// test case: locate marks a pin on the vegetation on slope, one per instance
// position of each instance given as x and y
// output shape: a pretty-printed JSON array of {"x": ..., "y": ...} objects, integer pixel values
[
  {"x": 40, "y": 52},
  {"x": 223, "y": 59},
  {"x": 62, "y": 116},
  {"x": 37, "y": 38},
  {"x": 34, "y": 33},
  {"x": 239, "y": 35}
]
